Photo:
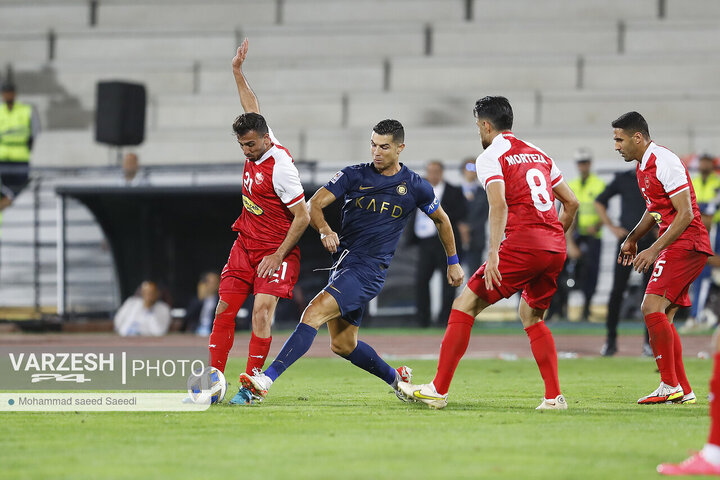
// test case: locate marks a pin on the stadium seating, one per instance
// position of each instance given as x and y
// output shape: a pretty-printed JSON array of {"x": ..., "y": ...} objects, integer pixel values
[
  {"x": 327, "y": 70},
  {"x": 210, "y": 15},
  {"x": 371, "y": 11},
  {"x": 296, "y": 77},
  {"x": 508, "y": 36},
  {"x": 567, "y": 10}
]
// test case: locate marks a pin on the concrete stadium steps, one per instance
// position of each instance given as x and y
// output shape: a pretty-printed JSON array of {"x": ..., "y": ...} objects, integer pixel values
[
  {"x": 349, "y": 40},
  {"x": 692, "y": 9},
  {"x": 296, "y": 76},
  {"x": 219, "y": 111},
  {"x": 493, "y": 74},
  {"x": 147, "y": 44},
  {"x": 18, "y": 14},
  {"x": 79, "y": 78},
  {"x": 207, "y": 14},
  {"x": 512, "y": 37},
  {"x": 371, "y": 11},
  {"x": 665, "y": 37},
  {"x": 647, "y": 72},
  {"x": 567, "y": 10},
  {"x": 26, "y": 46},
  {"x": 687, "y": 108}
]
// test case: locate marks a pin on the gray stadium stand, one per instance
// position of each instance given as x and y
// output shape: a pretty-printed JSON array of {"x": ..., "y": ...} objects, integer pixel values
[{"x": 327, "y": 70}]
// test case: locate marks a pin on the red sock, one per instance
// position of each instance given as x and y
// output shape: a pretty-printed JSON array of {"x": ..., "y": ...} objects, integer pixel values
[
  {"x": 257, "y": 353},
  {"x": 714, "y": 398},
  {"x": 223, "y": 332},
  {"x": 454, "y": 344},
  {"x": 661, "y": 341},
  {"x": 542, "y": 345},
  {"x": 679, "y": 366}
]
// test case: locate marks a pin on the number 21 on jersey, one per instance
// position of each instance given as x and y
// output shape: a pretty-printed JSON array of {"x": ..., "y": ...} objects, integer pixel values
[
  {"x": 248, "y": 182},
  {"x": 539, "y": 189}
]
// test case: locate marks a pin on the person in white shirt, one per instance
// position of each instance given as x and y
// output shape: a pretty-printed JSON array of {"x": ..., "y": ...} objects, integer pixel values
[{"x": 144, "y": 315}]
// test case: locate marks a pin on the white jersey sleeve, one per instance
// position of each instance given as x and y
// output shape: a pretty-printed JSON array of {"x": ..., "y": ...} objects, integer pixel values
[
  {"x": 555, "y": 174},
  {"x": 671, "y": 172},
  {"x": 487, "y": 165},
  {"x": 286, "y": 182}
]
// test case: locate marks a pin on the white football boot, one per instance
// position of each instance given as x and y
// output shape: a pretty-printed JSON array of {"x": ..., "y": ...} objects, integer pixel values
[
  {"x": 557, "y": 403},
  {"x": 258, "y": 384},
  {"x": 689, "y": 398},
  {"x": 423, "y": 393},
  {"x": 664, "y": 394}
]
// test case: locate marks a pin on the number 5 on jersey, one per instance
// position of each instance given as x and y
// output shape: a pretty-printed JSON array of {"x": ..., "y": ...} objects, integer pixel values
[{"x": 658, "y": 270}]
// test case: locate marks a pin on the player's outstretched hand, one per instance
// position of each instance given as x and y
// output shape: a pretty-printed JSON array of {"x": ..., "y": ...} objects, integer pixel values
[
  {"x": 644, "y": 260},
  {"x": 330, "y": 241},
  {"x": 269, "y": 265},
  {"x": 628, "y": 250},
  {"x": 492, "y": 272},
  {"x": 239, "y": 57},
  {"x": 455, "y": 275}
]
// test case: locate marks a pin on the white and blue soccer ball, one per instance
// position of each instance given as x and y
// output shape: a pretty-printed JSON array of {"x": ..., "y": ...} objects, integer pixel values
[{"x": 207, "y": 386}]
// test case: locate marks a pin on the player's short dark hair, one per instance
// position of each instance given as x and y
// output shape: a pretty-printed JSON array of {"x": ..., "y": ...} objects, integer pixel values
[
  {"x": 248, "y": 122},
  {"x": 496, "y": 110},
  {"x": 391, "y": 127},
  {"x": 632, "y": 122}
]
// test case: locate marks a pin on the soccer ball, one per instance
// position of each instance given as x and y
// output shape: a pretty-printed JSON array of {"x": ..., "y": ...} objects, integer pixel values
[{"x": 207, "y": 386}]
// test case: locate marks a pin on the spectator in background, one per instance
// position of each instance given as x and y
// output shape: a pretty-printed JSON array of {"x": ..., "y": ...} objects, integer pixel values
[
  {"x": 19, "y": 126},
  {"x": 472, "y": 230},
  {"x": 707, "y": 186},
  {"x": 584, "y": 238},
  {"x": 143, "y": 315},
  {"x": 131, "y": 168},
  {"x": 201, "y": 310},
  {"x": 632, "y": 208},
  {"x": 432, "y": 254}
]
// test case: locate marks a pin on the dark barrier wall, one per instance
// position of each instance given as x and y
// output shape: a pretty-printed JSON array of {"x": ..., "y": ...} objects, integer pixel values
[{"x": 173, "y": 234}]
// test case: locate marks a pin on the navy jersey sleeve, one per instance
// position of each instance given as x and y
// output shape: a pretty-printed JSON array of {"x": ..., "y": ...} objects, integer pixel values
[
  {"x": 425, "y": 197},
  {"x": 341, "y": 182}
]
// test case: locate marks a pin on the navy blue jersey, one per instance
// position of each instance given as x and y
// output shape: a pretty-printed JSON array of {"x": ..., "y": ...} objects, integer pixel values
[{"x": 377, "y": 208}]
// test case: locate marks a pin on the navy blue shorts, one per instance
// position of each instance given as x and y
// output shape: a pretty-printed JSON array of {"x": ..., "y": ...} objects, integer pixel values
[{"x": 353, "y": 285}]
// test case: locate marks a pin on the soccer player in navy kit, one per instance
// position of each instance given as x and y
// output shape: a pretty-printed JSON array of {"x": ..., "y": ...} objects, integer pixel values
[{"x": 378, "y": 199}]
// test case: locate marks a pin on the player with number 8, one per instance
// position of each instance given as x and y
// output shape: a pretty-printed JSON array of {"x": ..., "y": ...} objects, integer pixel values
[{"x": 522, "y": 183}]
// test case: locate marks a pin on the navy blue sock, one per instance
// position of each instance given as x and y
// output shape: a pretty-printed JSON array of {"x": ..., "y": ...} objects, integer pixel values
[
  {"x": 365, "y": 357},
  {"x": 295, "y": 347}
]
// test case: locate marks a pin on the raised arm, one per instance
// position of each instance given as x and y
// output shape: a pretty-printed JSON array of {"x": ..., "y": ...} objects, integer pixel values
[
  {"x": 248, "y": 100},
  {"x": 322, "y": 198},
  {"x": 455, "y": 274}
]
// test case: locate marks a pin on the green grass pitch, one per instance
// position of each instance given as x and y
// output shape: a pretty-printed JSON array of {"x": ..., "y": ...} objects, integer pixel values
[{"x": 327, "y": 419}]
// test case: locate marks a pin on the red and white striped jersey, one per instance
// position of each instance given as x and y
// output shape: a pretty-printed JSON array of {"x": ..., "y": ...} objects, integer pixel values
[
  {"x": 529, "y": 176},
  {"x": 661, "y": 175},
  {"x": 270, "y": 186}
]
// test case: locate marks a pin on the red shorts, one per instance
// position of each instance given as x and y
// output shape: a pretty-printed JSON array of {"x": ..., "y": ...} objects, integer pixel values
[
  {"x": 675, "y": 269},
  {"x": 240, "y": 273},
  {"x": 535, "y": 272}
]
